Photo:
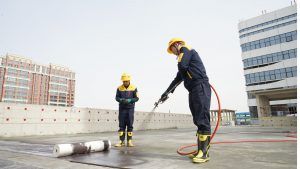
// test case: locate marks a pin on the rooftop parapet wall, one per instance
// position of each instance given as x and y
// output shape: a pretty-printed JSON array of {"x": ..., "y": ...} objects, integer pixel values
[{"x": 28, "y": 119}]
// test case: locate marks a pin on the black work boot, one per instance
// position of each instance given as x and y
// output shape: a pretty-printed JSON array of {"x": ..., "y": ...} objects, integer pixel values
[
  {"x": 122, "y": 139},
  {"x": 203, "y": 148},
  {"x": 129, "y": 139}
]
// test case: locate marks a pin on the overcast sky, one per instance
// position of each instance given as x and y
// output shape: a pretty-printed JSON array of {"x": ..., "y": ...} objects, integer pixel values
[{"x": 99, "y": 40}]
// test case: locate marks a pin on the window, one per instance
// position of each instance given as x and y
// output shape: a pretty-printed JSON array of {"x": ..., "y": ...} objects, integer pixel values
[
  {"x": 282, "y": 38},
  {"x": 277, "y": 74},
  {"x": 257, "y": 44},
  {"x": 292, "y": 53},
  {"x": 262, "y": 76},
  {"x": 10, "y": 80},
  {"x": 252, "y": 78},
  {"x": 270, "y": 59},
  {"x": 245, "y": 63},
  {"x": 294, "y": 35},
  {"x": 269, "y": 28},
  {"x": 288, "y": 37},
  {"x": 280, "y": 19},
  {"x": 267, "y": 75},
  {"x": 272, "y": 74},
  {"x": 259, "y": 60},
  {"x": 23, "y": 74},
  {"x": 289, "y": 72},
  {"x": 243, "y": 49},
  {"x": 262, "y": 43},
  {"x": 257, "y": 80},
  {"x": 272, "y": 40},
  {"x": 247, "y": 77},
  {"x": 285, "y": 55},
  {"x": 250, "y": 63},
  {"x": 53, "y": 98},
  {"x": 268, "y": 43},
  {"x": 252, "y": 47},
  {"x": 253, "y": 111},
  {"x": 294, "y": 71},
  {"x": 283, "y": 73},
  {"x": 254, "y": 60},
  {"x": 274, "y": 57},
  {"x": 280, "y": 56},
  {"x": 264, "y": 58},
  {"x": 277, "y": 39},
  {"x": 247, "y": 46}
]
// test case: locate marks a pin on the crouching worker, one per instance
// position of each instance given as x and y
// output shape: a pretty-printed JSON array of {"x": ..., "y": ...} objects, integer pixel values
[{"x": 127, "y": 95}]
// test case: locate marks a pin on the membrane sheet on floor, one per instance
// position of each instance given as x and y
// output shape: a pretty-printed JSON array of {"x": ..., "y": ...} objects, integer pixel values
[{"x": 118, "y": 158}]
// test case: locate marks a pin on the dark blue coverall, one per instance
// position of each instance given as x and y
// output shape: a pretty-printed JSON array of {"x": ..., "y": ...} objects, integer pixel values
[
  {"x": 126, "y": 110},
  {"x": 192, "y": 71}
]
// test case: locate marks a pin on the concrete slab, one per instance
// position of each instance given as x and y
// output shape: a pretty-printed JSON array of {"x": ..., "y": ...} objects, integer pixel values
[{"x": 157, "y": 149}]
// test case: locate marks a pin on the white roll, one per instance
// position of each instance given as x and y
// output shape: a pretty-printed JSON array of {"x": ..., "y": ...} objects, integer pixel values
[
  {"x": 61, "y": 150},
  {"x": 96, "y": 145}
]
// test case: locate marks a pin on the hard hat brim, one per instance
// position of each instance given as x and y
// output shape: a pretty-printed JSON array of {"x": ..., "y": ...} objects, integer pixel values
[
  {"x": 169, "y": 50},
  {"x": 169, "y": 47}
]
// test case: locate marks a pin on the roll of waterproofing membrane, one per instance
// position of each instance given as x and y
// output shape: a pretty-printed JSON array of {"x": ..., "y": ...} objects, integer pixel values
[{"x": 61, "y": 150}]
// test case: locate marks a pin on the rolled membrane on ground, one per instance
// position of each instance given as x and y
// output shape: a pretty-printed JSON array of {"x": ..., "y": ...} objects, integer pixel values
[{"x": 61, "y": 150}]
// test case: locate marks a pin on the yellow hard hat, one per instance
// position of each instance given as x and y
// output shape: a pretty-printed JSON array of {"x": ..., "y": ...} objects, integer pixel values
[
  {"x": 172, "y": 41},
  {"x": 125, "y": 77}
]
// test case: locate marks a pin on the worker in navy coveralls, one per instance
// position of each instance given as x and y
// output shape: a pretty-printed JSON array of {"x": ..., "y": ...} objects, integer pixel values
[
  {"x": 127, "y": 95},
  {"x": 192, "y": 72}
]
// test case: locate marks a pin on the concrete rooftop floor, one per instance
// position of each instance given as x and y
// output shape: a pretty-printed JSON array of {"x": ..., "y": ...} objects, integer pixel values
[{"x": 156, "y": 149}]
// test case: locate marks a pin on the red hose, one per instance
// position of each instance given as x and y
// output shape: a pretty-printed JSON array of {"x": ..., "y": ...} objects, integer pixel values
[{"x": 180, "y": 152}]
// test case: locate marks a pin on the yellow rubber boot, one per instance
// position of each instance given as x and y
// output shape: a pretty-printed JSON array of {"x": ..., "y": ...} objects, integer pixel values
[
  {"x": 129, "y": 143},
  {"x": 191, "y": 156},
  {"x": 129, "y": 139},
  {"x": 122, "y": 138},
  {"x": 202, "y": 155},
  {"x": 120, "y": 144}
]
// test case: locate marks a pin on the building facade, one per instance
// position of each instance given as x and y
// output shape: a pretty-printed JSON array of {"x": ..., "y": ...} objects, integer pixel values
[
  {"x": 269, "y": 55},
  {"x": 23, "y": 81}
]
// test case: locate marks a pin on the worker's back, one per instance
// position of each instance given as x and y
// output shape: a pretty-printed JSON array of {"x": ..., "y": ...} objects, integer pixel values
[{"x": 193, "y": 73}]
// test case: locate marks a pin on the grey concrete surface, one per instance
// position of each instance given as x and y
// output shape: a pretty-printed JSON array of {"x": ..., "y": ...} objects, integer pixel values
[{"x": 157, "y": 149}]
